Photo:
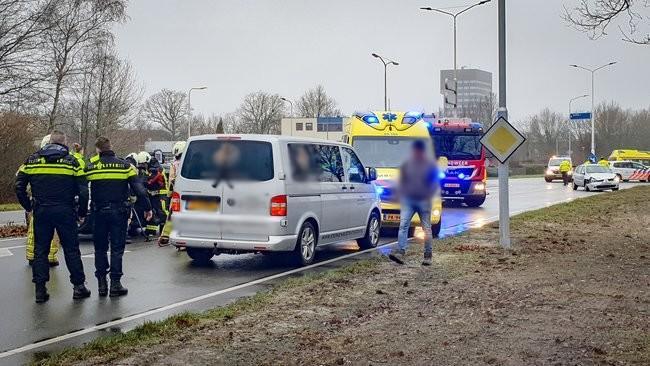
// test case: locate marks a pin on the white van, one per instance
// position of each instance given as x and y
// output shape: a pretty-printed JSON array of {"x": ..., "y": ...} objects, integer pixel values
[{"x": 261, "y": 193}]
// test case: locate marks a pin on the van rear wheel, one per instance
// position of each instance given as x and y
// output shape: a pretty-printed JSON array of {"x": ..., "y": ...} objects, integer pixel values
[
  {"x": 371, "y": 239},
  {"x": 200, "y": 255},
  {"x": 305, "y": 250}
]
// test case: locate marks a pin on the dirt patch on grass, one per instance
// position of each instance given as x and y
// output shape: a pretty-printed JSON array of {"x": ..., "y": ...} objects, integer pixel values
[{"x": 573, "y": 291}]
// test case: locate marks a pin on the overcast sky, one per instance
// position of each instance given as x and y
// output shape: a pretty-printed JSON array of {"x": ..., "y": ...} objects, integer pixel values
[{"x": 235, "y": 47}]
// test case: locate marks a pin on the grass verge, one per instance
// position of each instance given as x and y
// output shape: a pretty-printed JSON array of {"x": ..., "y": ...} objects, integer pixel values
[
  {"x": 541, "y": 228},
  {"x": 10, "y": 207}
]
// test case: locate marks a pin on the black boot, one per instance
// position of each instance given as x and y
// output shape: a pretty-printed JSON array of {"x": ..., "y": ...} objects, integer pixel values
[
  {"x": 41, "y": 293},
  {"x": 102, "y": 286},
  {"x": 117, "y": 289},
  {"x": 80, "y": 292}
]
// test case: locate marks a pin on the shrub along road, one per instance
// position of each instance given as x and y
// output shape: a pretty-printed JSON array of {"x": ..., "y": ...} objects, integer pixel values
[{"x": 573, "y": 291}]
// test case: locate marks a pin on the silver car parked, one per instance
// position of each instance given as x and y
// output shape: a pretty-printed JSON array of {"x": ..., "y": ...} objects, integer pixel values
[
  {"x": 595, "y": 177},
  {"x": 260, "y": 193}
]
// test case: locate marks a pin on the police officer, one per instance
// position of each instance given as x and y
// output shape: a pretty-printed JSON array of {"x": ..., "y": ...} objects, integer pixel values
[
  {"x": 110, "y": 179},
  {"x": 565, "y": 168},
  {"x": 29, "y": 248},
  {"x": 55, "y": 178}
]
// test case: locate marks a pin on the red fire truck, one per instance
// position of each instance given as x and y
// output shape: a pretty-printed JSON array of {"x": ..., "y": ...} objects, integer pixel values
[{"x": 458, "y": 139}]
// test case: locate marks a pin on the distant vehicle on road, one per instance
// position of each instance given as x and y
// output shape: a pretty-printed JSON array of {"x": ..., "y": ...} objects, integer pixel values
[
  {"x": 594, "y": 177},
  {"x": 630, "y": 170},
  {"x": 383, "y": 140},
  {"x": 459, "y": 139},
  {"x": 259, "y": 193},
  {"x": 552, "y": 171},
  {"x": 638, "y": 156}
]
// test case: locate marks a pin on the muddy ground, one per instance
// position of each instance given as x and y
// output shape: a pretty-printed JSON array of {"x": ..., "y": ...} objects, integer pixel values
[{"x": 575, "y": 291}]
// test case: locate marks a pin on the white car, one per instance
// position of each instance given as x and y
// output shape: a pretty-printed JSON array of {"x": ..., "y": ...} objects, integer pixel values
[
  {"x": 630, "y": 170},
  {"x": 594, "y": 177},
  {"x": 552, "y": 171}
]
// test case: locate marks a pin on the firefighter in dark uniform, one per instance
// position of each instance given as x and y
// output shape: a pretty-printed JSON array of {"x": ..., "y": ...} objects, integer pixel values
[
  {"x": 56, "y": 179},
  {"x": 110, "y": 179}
]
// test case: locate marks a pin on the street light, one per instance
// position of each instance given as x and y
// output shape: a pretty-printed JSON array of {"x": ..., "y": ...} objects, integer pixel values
[
  {"x": 593, "y": 71},
  {"x": 189, "y": 109},
  {"x": 290, "y": 103},
  {"x": 570, "y": 102},
  {"x": 386, "y": 62},
  {"x": 455, "y": 16}
]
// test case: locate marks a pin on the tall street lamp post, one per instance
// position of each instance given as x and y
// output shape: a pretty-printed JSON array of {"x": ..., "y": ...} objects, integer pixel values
[
  {"x": 386, "y": 62},
  {"x": 571, "y": 102},
  {"x": 455, "y": 16},
  {"x": 593, "y": 117},
  {"x": 290, "y": 103},
  {"x": 189, "y": 109}
]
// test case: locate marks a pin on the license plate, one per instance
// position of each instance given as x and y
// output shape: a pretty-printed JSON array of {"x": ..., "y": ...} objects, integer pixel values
[
  {"x": 452, "y": 185},
  {"x": 391, "y": 217},
  {"x": 201, "y": 205}
]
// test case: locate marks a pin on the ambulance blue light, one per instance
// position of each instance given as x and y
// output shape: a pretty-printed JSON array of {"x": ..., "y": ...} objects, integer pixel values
[
  {"x": 370, "y": 119},
  {"x": 379, "y": 190},
  {"x": 461, "y": 176},
  {"x": 442, "y": 175}
]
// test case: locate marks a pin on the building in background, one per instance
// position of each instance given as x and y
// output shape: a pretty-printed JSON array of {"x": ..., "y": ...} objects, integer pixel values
[
  {"x": 475, "y": 99},
  {"x": 328, "y": 128}
]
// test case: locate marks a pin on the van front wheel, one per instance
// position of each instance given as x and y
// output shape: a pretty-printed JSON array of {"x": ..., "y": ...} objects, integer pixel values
[
  {"x": 371, "y": 239},
  {"x": 200, "y": 255},
  {"x": 305, "y": 251}
]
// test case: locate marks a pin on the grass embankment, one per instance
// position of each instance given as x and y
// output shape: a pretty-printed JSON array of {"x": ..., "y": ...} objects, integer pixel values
[
  {"x": 573, "y": 291},
  {"x": 10, "y": 207}
]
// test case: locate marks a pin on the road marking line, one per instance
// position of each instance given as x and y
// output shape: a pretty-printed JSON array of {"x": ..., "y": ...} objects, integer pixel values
[
  {"x": 92, "y": 255},
  {"x": 4, "y": 252},
  {"x": 13, "y": 238},
  {"x": 192, "y": 300},
  {"x": 16, "y": 247}
]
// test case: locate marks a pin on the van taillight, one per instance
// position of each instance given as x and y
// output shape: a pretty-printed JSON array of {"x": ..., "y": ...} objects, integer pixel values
[
  {"x": 279, "y": 205},
  {"x": 175, "y": 203}
]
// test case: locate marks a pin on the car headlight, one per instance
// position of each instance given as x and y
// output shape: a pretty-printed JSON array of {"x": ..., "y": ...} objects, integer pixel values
[
  {"x": 570, "y": 172},
  {"x": 479, "y": 186},
  {"x": 617, "y": 179},
  {"x": 549, "y": 171}
]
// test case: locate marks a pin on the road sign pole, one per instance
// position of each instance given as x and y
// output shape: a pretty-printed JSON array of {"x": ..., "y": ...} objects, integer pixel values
[{"x": 504, "y": 198}]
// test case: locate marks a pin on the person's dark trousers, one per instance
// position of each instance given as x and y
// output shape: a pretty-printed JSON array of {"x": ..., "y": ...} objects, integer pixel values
[
  {"x": 63, "y": 219},
  {"x": 565, "y": 178},
  {"x": 110, "y": 222}
]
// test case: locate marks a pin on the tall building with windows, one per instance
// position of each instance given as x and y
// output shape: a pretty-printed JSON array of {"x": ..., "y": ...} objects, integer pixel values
[{"x": 474, "y": 92}]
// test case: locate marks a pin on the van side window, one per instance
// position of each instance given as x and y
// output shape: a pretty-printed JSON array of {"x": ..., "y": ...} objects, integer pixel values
[
  {"x": 315, "y": 163},
  {"x": 353, "y": 166}
]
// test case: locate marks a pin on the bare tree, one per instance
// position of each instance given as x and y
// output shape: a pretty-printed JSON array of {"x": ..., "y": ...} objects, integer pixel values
[
  {"x": 107, "y": 95},
  {"x": 167, "y": 109},
  {"x": 76, "y": 25},
  {"x": 260, "y": 112},
  {"x": 316, "y": 103},
  {"x": 206, "y": 125},
  {"x": 596, "y": 16},
  {"x": 22, "y": 24}
]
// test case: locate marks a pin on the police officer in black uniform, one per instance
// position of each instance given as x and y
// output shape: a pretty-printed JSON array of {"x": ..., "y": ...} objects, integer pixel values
[
  {"x": 110, "y": 178},
  {"x": 56, "y": 178}
]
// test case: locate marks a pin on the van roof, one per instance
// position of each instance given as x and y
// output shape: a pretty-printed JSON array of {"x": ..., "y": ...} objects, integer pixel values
[{"x": 267, "y": 138}]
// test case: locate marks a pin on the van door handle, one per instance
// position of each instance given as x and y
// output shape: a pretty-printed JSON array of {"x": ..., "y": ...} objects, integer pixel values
[
  {"x": 351, "y": 187},
  {"x": 344, "y": 187}
]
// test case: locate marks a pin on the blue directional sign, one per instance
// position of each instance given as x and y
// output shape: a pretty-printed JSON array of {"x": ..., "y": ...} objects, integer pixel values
[{"x": 580, "y": 116}]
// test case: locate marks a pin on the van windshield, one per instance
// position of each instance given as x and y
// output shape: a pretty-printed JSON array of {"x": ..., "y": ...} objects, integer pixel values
[{"x": 228, "y": 160}]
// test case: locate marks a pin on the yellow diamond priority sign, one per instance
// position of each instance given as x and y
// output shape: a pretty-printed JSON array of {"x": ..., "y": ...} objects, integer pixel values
[{"x": 502, "y": 139}]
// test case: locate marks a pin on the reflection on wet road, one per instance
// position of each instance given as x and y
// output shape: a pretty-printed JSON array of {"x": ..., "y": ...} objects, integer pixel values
[{"x": 158, "y": 277}]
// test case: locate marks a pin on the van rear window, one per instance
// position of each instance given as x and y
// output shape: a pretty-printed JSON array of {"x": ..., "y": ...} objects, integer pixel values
[{"x": 228, "y": 160}]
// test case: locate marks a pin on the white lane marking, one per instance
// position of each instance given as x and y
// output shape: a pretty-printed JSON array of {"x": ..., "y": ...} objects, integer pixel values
[
  {"x": 113, "y": 323},
  {"x": 16, "y": 247},
  {"x": 4, "y": 252},
  {"x": 14, "y": 238}
]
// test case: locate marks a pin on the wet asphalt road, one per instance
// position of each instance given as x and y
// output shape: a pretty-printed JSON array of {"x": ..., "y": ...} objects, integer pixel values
[
  {"x": 15, "y": 217},
  {"x": 159, "y": 277}
]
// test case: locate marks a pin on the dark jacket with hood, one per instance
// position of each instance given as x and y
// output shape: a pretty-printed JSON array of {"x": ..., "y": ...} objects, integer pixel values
[{"x": 56, "y": 179}]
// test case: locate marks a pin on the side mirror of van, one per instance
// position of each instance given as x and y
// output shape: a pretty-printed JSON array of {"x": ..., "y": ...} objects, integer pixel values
[{"x": 371, "y": 173}]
